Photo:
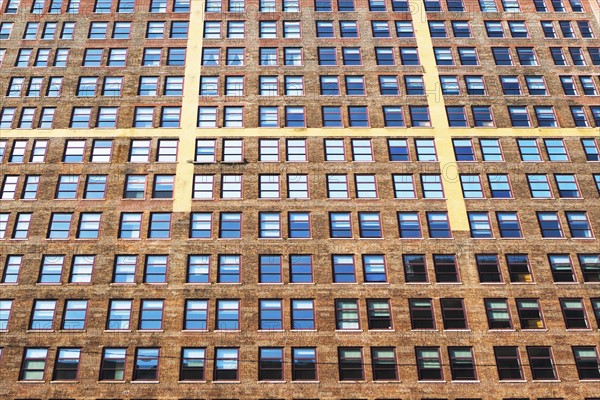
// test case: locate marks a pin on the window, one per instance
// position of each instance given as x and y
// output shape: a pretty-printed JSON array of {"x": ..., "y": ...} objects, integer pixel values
[
  {"x": 567, "y": 185},
  {"x": 419, "y": 117},
  {"x": 9, "y": 187},
  {"x": 467, "y": 55},
  {"x": 409, "y": 225},
  {"x": 21, "y": 229},
  {"x": 12, "y": 268},
  {"x": 270, "y": 364},
  {"x": 421, "y": 314},
  {"x": 176, "y": 56},
  {"x": 38, "y": 154},
  {"x": 156, "y": 269},
  {"x": 498, "y": 314},
  {"x": 471, "y": 186},
  {"x": 475, "y": 85},
  {"x": 550, "y": 225},
  {"x": 369, "y": 225},
  {"x": 539, "y": 186},
  {"x": 384, "y": 364},
  {"x": 139, "y": 151},
  {"x": 33, "y": 365},
  {"x": 112, "y": 366},
  {"x": 198, "y": 269},
  {"x": 230, "y": 226},
  {"x": 587, "y": 363},
  {"x": 300, "y": 268},
  {"x": 269, "y": 187},
  {"x": 269, "y": 225},
  {"x": 437, "y": 29},
  {"x": 488, "y": 268},
  {"x": 228, "y": 269},
  {"x": 574, "y": 314},
  {"x": 66, "y": 366},
  {"x": 80, "y": 118},
  {"x": 350, "y": 364},
  {"x": 60, "y": 224},
  {"x": 151, "y": 315},
  {"x": 439, "y": 225},
  {"x": 446, "y": 269},
  {"x": 145, "y": 367},
  {"x": 302, "y": 314},
  {"x": 163, "y": 186},
  {"x": 299, "y": 225},
  {"x": 343, "y": 268},
  {"x": 192, "y": 364},
  {"x": 453, "y": 314},
  {"x": 500, "y": 186},
  {"x": 270, "y": 315},
  {"x": 346, "y": 314},
  {"x": 508, "y": 363},
  {"x": 269, "y": 268},
  {"x": 510, "y": 85},
  {"x": 393, "y": 116},
  {"x": 130, "y": 226},
  {"x": 226, "y": 364},
  {"x": 304, "y": 364},
  {"x": 577, "y": 56},
  {"x": 51, "y": 269},
  {"x": 591, "y": 149},
  {"x": 75, "y": 315},
  {"x": 518, "y": 268},
  {"x": 5, "y": 311},
  {"x": 374, "y": 269},
  {"x": 228, "y": 315},
  {"x": 89, "y": 226},
  {"x": 415, "y": 270},
  {"x": 443, "y": 56},
  {"x": 196, "y": 314},
  {"x": 479, "y": 223},
  {"x": 366, "y": 186},
  {"x": 462, "y": 364},
  {"x": 82, "y": 268},
  {"x": 429, "y": 364},
  {"x": 530, "y": 314},
  {"x": 340, "y": 225},
  {"x": 502, "y": 56},
  {"x": 119, "y": 315},
  {"x": 579, "y": 225},
  {"x": 579, "y": 117},
  {"x": 160, "y": 226},
  {"x": 509, "y": 225},
  {"x": 231, "y": 186},
  {"x": 42, "y": 315}
]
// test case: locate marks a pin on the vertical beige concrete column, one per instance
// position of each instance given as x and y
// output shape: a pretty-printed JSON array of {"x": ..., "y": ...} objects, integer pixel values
[
  {"x": 185, "y": 168},
  {"x": 457, "y": 211}
]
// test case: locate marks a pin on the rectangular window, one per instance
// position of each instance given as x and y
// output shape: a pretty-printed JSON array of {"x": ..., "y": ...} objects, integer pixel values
[
  {"x": 229, "y": 268},
  {"x": 508, "y": 363},
  {"x": 530, "y": 314},
  {"x": 479, "y": 224},
  {"x": 421, "y": 314},
  {"x": 500, "y": 186},
  {"x": 350, "y": 364},
  {"x": 151, "y": 315},
  {"x": 343, "y": 268},
  {"x": 369, "y": 225},
  {"x": 119, "y": 315},
  {"x": 33, "y": 365},
  {"x": 42, "y": 315},
  {"x": 429, "y": 364},
  {"x": 270, "y": 364},
  {"x": 60, "y": 225},
  {"x": 498, "y": 314},
  {"x": 297, "y": 186},
  {"x": 230, "y": 226},
  {"x": 196, "y": 315},
  {"x": 89, "y": 226},
  {"x": 21, "y": 228},
  {"x": 145, "y": 365},
  {"x": 227, "y": 315},
  {"x": 302, "y": 314},
  {"x": 159, "y": 226},
  {"x": 446, "y": 268},
  {"x": 509, "y": 225},
  {"x": 347, "y": 315},
  {"x": 454, "y": 314},
  {"x": 579, "y": 225},
  {"x": 269, "y": 268},
  {"x": 462, "y": 364},
  {"x": 304, "y": 364},
  {"x": 518, "y": 268},
  {"x": 488, "y": 268},
  {"x": 574, "y": 314},
  {"x": 404, "y": 186},
  {"x": 75, "y": 315},
  {"x": 82, "y": 268},
  {"x": 300, "y": 268},
  {"x": 155, "y": 270},
  {"x": 198, "y": 269},
  {"x": 124, "y": 271},
  {"x": 587, "y": 363},
  {"x": 374, "y": 269},
  {"x": 409, "y": 225},
  {"x": 12, "y": 267},
  {"x": 112, "y": 366},
  {"x": 438, "y": 225},
  {"x": 590, "y": 267},
  {"x": 192, "y": 365},
  {"x": 270, "y": 314}
]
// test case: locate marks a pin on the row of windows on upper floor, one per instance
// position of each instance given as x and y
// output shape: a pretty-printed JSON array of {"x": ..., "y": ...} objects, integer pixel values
[
  {"x": 99, "y": 6},
  {"x": 128, "y": 6},
  {"x": 97, "y": 30},
  {"x": 294, "y": 117},
  {"x": 270, "y": 186},
  {"x": 271, "y": 225},
  {"x": 302, "y": 313},
  {"x": 294, "y": 85},
  {"x": 291, "y": 29},
  {"x": 293, "y": 56},
  {"x": 272, "y": 366},
  {"x": 296, "y": 150},
  {"x": 299, "y": 269}
]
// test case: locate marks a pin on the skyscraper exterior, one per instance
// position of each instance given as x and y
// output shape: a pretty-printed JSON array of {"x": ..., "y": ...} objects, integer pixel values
[{"x": 299, "y": 199}]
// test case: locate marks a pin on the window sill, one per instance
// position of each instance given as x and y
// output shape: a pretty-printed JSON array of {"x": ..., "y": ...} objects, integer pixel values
[
  {"x": 225, "y": 382},
  {"x": 150, "y": 330},
  {"x": 386, "y": 382},
  {"x": 111, "y": 382},
  {"x": 59, "y": 382},
  {"x": 351, "y": 382},
  {"x": 349, "y": 330},
  {"x": 271, "y": 330},
  {"x": 30, "y": 382},
  {"x": 73, "y": 330},
  {"x": 269, "y": 382},
  {"x": 428, "y": 382},
  {"x": 305, "y": 381},
  {"x": 187, "y": 382},
  {"x": 513, "y": 381},
  {"x": 117, "y": 331},
  {"x": 546, "y": 380},
  {"x": 465, "y": 381},
  {"x": 144, "y": 382},
  {"x": 40, "y": 331},
  {"x": 303, "y": 330}
]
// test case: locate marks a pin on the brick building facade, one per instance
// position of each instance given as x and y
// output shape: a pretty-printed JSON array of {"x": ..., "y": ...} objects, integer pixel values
[{"x": 292, "y": 199}]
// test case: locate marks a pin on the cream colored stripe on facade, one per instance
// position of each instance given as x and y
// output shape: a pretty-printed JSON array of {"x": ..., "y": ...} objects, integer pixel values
[
  {"x": 457, "y": 209},
  {"x": 292, "y": 132},
  {"x": 184, "y": 179}
]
